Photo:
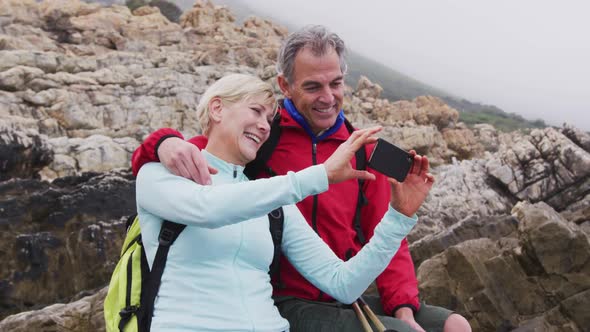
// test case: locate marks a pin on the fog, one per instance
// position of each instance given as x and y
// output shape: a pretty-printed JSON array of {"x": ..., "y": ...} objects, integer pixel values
[{"x": 527, "y": 57}]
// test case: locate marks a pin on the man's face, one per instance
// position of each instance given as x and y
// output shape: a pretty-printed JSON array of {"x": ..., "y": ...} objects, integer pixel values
[{"x": 317, "y": 89}]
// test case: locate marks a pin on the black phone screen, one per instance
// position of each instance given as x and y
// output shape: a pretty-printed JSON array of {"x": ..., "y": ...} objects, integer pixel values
[{"x": 391, "y": 160}]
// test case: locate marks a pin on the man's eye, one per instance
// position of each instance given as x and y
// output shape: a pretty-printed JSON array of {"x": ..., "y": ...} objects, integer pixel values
[{"x": 337, "y": 84}]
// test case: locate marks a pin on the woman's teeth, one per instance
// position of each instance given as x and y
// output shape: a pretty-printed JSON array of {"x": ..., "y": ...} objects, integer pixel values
[{"x": 253, "y": 137}]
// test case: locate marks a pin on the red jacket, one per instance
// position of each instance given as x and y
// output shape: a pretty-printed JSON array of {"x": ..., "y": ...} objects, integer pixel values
[{"x": 334, "y": 214}]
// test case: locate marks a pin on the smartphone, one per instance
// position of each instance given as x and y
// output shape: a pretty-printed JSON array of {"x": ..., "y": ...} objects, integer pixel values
[{"x": 391, "y": 160}]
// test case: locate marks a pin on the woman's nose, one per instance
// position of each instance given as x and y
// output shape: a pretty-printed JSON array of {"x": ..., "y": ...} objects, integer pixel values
[{"x": 263, "y": 125}]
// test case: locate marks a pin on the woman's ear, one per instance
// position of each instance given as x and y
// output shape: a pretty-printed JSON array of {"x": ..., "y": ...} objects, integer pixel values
[{"x": 215, "y": 108}]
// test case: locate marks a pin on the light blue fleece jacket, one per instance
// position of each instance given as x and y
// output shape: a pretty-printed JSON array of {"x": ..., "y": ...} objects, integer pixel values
[{"x": 216, "y": 276}]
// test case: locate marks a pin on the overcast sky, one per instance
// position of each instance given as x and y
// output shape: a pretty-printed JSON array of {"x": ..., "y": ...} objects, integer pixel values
[{"x": 524, "y": 56}]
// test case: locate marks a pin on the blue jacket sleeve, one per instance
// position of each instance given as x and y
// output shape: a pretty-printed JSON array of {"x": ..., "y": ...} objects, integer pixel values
[
  {"x": 344, "y": 281},
  {"x": 175, "y": 198}
]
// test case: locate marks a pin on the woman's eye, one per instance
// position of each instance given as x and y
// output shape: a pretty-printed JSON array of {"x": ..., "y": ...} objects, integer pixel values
[{"x": 255, "y": 110}]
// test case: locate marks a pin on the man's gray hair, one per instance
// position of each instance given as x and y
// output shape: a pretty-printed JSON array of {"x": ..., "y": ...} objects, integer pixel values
[{"x": 319, "y": 40}]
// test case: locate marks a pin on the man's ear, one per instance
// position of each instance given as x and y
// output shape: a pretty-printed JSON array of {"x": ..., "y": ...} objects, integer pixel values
[
  {"x": 284, "y": 86},
  {"x": 215, "y": 108}
]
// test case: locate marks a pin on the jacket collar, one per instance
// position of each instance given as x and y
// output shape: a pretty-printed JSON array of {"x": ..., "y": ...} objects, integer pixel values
[
  {"x": 290, "y": 117},
  {"x": 223, "y": 167}
]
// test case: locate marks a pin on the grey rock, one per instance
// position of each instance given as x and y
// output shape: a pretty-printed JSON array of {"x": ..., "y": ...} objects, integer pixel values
[
  {"x": 546, "y": 236},
  {"x": 22, "y": 154},
  {"x": 545, "y": 166},
  {"x": 579, "y": 137},
  {"x": 520, "y": 282},
  {"x": 579, "y": 213},
  {"x": 460, "y": 191},
  {"x": 83, "y": 315},
  {"x": 18, "y": 77}
]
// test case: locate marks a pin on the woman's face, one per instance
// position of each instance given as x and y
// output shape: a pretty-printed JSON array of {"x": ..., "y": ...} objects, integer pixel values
[{"x": 245, "y": 127}]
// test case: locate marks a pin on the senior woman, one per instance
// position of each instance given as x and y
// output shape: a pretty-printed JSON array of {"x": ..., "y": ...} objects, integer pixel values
[{"x": 216, "y": 276}]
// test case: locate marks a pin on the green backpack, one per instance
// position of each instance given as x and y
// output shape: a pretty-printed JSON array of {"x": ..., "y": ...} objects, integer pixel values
[{"x": 129, "y": 303}]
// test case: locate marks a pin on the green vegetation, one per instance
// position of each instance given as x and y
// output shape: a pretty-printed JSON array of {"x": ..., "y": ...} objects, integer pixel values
[
  {"x": 397, "y": 86},
  {"x": 168, "y": 9},
  {"x": 134, "y": 4},
  {"x": 504, "y": 122},
  {"x": 473, "y": 113}
]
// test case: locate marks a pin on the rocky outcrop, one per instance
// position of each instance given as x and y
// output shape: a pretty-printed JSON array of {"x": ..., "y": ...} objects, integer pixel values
[
  {"x": 26, "y": 153},
  {"x": 579, "y": 213},
  {"x": 96, "y": 153},
  {"x": 527, "y": 271},
  {"x": 110, "y": 72},
  {"x": 96, "y": 80},
  {"x": 540, "y": 277},
  {"x": 85, "y": 314},
  {"x": 544, "y": 166},
  {"x": 579, "y": 137},
  {"x": 425, "y": 124},
  {"x": 487, "y": 136},
  {"x": 462, "y": 191},
  {"x": 61, "y": 238}
]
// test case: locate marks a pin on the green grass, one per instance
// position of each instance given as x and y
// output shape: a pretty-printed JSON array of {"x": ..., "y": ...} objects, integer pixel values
[
  {"x": 504, "y": 122},
  {"x": 397, "y": 86}
]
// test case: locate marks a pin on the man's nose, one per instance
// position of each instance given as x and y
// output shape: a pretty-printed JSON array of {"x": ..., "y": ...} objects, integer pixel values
[{"x": 326, "y": 96}]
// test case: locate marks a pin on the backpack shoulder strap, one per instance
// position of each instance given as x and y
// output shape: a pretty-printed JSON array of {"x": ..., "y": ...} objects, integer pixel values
[
  {"x": 361, "y": 164},
  {"x": 254, "y": 167},
  {"x": 168, "y": 234},
  {"x": 130, "y": 221},
  {"x": 276, "y": 220}
]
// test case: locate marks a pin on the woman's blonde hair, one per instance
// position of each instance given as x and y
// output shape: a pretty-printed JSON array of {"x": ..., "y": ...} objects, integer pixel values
[{"x": 231, "y": 89}]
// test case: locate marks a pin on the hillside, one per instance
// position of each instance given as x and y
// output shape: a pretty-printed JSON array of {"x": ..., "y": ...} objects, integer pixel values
[{"x": 398, "y": 86}]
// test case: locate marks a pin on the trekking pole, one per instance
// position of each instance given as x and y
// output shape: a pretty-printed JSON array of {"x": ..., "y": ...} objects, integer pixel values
[
  {"x": 361, "y": 317},
  {"x": 380, "y": 327}
]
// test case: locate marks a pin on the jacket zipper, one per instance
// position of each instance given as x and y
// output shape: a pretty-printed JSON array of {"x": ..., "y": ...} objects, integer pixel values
[
  {"x": 314, "y": 210},
  {"x": 235, "y": 175}
]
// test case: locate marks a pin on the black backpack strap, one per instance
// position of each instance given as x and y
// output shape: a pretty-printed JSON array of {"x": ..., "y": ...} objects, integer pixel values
[
  {"x": 129, "y": 221},
  {"x": 361, "y": 164},
  {"x": 129, "y": 310},
  {"x": 276, "y": 220},
  {"x": 127, "y": 313},
  {"x": 168, "y": 234},
  {"x": 254, "y": 167}
]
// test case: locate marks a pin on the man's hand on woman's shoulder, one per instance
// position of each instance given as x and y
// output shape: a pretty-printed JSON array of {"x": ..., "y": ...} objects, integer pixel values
[{"x": 185, "y": 159}]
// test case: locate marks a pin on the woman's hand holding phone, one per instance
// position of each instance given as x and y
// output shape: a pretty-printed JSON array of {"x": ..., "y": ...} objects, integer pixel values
[{"x": 338, "y": 166}]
